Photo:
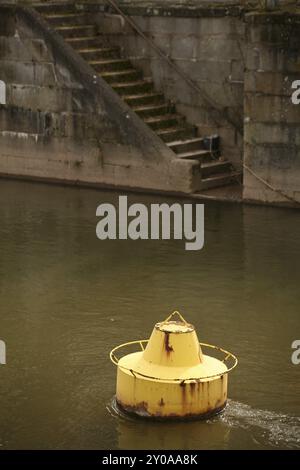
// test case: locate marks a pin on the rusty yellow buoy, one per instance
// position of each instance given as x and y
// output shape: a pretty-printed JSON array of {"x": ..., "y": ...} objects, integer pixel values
[{"x": 170, "y": 376}]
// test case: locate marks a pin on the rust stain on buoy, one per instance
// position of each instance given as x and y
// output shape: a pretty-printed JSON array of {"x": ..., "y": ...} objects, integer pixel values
[
  {"x": 167, "y": 345},
  {"x": 161, "y": 403}
]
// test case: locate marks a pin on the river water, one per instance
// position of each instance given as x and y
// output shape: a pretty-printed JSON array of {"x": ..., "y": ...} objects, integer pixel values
[{"x": 68, "y": 298}]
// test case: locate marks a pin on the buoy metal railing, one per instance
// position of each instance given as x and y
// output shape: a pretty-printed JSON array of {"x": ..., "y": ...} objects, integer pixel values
[{"x": 143, "y": 342}]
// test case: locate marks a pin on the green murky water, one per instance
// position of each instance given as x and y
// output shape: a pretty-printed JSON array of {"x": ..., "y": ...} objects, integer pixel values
[{"x": 68, "y": 298}]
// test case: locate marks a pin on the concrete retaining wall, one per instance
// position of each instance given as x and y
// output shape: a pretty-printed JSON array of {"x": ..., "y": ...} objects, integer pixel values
[
  {"x": 272, "y": 139},
  {"x": 61, "y": 123},
  {"x": 245, "y": 63}
]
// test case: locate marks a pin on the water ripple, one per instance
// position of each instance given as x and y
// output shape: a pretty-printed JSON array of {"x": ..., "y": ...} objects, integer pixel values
[{"x": 277, "y": 428}]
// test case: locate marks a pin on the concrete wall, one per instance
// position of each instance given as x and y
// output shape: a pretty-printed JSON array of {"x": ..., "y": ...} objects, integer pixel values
[
  {"x": 61, "y": 123},
  {"x": 218, "y": 48},
  {"x": 220, "y": 52},
  {"x": 272, "y": 138},
  {"x": 208, "y": 46}
]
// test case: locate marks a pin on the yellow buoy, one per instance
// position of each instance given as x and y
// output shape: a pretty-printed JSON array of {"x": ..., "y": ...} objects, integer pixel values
[{"x": 170, "y": 376}]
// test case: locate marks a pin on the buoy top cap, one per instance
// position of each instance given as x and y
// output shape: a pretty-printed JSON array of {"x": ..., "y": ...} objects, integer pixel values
[
  {"x": 169, "y": 325},
  {"x": 175, "y": 327}
]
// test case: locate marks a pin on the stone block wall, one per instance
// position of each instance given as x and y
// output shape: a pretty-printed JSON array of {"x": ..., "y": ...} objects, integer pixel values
[
  {"x": 272, "y": 137},
  {"x": 244, "y": 62}
]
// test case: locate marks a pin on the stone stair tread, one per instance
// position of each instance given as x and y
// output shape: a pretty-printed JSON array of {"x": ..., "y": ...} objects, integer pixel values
[
  {"x": 74, "y": 26},
  {"x": 187, "y": 141},
  {"x": 166, "y": 130},
  {"x": 220, "y": 176},
  {"x": 215, "y": 163},
  {"x": 162, "y": 117},
  {"x": 118, "y": 72},
  {"x": 96, "y": 48},
  {"x": 193, "y": 153},
  {"x": 82, "y": 38},
  {"x": 129, "y": 84},
  {"x": 63, "y": 15},
  {"x": 148, "y": 107},
  {"x": 59, "y": 6},
  {"x": 59, "y": 9},
  {"x": 141, "y": 95},
  {"x": 108, "y": 61}
]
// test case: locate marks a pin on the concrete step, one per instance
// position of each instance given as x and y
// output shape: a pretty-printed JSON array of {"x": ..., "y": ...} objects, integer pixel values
[
  {"x": 154, "y": 110},
  {"x": 123, "y": 76},
  {"x": 165, "y": 121},
  {"x": 133, "y": 87},
  {"x": 144, "y": 99},
  {"x": 177, "y": 132},
  {"x": 189, "y": 145},
  {"x": 110, "y": 65},
  {"x": 215, "y": 167},
  {"x": 64, "y": 19},
  {"x": 85, "y": 42},
  {"x": 52, "y": 7},
  {"x": 77, "y": 30},
  {"x": 220, "y": 180},
  {"x": 200, "y": 155},
  {"x": 98, "y": 53}
]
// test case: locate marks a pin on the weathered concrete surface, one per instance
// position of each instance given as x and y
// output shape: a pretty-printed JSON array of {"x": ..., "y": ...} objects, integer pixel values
[
  {"x": 272, "y": 140},
  {"x": 215, "y": 47},
  {"x": 245, "y": 63},
  {"x": 208, "y": 48},
  {"x": 61, "y": 123}
]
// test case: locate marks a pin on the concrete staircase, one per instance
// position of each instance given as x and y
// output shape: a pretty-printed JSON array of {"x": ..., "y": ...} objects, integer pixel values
[{"x": 79, "y": 31}]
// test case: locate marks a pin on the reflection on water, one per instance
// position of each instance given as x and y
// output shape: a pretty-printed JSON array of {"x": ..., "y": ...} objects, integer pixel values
[{"x": 68, "y": 298}]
